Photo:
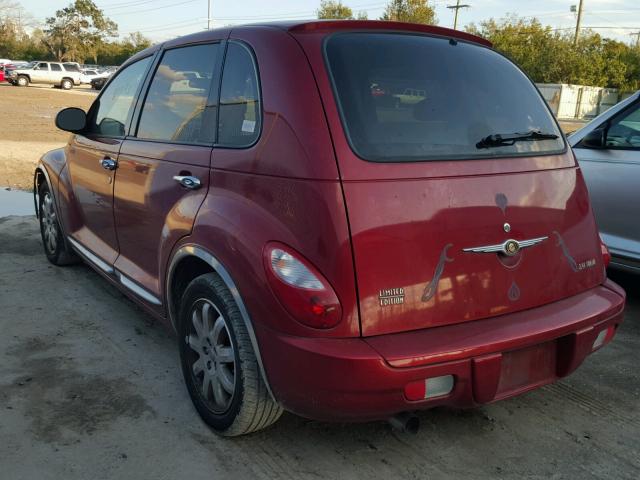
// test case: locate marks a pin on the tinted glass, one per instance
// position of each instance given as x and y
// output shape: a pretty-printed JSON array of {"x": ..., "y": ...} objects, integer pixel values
[
  {"x": 239, "y": 123},
  {"x": 55, "y": 67},
  {"x": 43, "y": 66},
  {"x": 624, "y": 131},
  {"x": 411, "y": 98},
  {"x": 113, "y": 106},
  {"x": 176, "y": 108},
  {"x": 71, "y": 67}
]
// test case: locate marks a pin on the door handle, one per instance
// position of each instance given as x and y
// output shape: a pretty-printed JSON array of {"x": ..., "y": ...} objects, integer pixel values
[
  {"x": 108, "y": 163},
  {"x": 187, "y": 181}
]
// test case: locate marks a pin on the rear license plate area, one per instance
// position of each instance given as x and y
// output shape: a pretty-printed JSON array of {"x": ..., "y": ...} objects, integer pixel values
[{"x": 527, "y": 368}]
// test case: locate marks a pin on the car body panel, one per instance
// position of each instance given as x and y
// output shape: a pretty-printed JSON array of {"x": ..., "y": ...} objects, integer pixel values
[
  {"x": 153, "y": 211},
  {"x": 92, "y": 223},
  {"x": 612, "y": 176},
  {"x": 414, "y": 233}
]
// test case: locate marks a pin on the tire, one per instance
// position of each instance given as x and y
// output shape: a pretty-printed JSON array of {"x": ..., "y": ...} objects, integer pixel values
[
  {"x": 66, "y": 84},
  {"x": 23, "y": 81},
  {"x": 244, "y": 404},
  {"x": 52, "y": 237}
]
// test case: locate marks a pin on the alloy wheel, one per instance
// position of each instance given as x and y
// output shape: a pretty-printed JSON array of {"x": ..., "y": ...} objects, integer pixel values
[
  {"x": 212, "y": 355},
  {"x": 49, "y": 223}
]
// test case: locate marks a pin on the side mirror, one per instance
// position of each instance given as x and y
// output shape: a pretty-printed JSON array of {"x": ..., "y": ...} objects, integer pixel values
[
  {"x": 595, "y": 139},
  {"x": 71, "y": 119}
]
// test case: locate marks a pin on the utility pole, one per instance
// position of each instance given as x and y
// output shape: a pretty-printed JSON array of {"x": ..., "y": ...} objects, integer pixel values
[
  {"x": 575, "y": 38},
  {"x": 456, "y": 7},
  {"x": 637, "y": 35},
  {"x": 208, "y": 14}
]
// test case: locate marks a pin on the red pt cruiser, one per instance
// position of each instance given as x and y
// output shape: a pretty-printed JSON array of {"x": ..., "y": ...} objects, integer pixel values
[{"x": 324, "y": 248}]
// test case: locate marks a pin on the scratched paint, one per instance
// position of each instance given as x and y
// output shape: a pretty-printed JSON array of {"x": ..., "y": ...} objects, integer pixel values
[{"x": 565, "y": 251}]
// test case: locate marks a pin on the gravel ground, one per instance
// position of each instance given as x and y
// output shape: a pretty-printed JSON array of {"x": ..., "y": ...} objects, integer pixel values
[{"x": 90, "y": 388}]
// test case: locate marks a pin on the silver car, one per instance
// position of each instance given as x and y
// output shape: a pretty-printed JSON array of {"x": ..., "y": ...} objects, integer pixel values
[{"x": 608, "y": 150}]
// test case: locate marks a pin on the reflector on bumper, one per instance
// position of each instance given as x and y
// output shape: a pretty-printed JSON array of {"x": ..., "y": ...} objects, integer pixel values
[{"x": 429, "y": 388}]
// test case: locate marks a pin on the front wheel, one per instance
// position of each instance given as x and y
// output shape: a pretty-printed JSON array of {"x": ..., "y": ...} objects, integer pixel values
[
  {"x": 54, "y": 246},
  {"x": 218, "y": 362},
  {"x": 23, "y": 81}
]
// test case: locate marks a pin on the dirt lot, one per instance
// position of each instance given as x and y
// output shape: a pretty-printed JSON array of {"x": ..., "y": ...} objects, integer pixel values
[
  {"x": 27, "y": 130},
  {"x": 90, "y": 388}
]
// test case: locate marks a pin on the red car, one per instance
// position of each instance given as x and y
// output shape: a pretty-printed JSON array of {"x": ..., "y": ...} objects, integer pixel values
[{"x": 319, "y": 252}]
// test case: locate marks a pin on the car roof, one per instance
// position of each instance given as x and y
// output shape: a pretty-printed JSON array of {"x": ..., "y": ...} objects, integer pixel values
[
  {"x": 327, "y": 26},
  {"x": 374, "y": 25}
]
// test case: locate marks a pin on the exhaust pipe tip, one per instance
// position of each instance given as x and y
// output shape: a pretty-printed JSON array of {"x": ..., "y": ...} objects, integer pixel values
[{"x": 405, "y": 422}]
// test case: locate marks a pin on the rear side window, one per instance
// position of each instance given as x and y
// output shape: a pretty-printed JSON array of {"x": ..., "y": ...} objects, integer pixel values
[
  {"x": 113, "y": 106},
  {"x": 413, "y": 97},
  {"x": 177, "y": 108},
  {"x": 71, "y": 67},
  {"x": 55, "y": 67},
  {"x": 239, "y": 122}
]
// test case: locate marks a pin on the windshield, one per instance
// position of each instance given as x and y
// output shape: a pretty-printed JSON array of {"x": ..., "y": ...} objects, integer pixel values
[{"x": 413, "y": 97}]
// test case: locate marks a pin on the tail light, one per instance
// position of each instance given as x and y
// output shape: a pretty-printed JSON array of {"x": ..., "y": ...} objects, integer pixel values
[
  {"x": 301, "y": 289},
  {"x": 606, "y": 255}
]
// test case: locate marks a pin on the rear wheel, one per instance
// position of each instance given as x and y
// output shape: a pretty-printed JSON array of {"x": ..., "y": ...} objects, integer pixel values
[
  {"x": 218, "y": 362},
  {"x": 23, "y": 81},
  {"x": 54, "y": 246},
  {"x": 66, "y": 84}
]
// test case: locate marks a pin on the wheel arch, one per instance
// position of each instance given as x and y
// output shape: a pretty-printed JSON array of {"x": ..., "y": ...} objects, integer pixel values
[
  {"x": 190, "y": 261},
  {"x": 40, "y": 177}
]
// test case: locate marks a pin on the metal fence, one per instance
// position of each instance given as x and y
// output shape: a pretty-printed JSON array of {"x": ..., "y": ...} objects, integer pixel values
[{"x": 579, "y": 102}]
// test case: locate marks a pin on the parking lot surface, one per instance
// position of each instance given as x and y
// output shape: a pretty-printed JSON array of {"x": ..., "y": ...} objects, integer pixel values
[{"x": 90, "y": 387}]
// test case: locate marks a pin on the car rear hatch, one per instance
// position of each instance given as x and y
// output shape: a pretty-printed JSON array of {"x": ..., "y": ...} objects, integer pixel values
[{"x": 434, "y": 211}]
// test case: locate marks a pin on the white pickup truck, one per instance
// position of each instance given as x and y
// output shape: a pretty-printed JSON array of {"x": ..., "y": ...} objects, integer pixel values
[{"x": 64, "y": 75}]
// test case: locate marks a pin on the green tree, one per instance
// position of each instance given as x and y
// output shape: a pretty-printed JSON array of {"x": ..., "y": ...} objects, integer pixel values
[
  {"x": 114, "y": 53},
  {"x": 334, "y": 9},
  {"x": 77, "y": 31},
  {"x": 412, "y": 11},
  {"x": 549, "y": 56}
]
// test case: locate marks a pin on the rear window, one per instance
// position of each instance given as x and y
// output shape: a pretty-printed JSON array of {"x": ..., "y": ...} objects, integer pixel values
[{"x": 409, "y": 97}]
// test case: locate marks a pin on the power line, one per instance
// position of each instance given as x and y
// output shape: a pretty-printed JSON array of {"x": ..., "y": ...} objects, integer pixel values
[{"x": 457, "y": 8}]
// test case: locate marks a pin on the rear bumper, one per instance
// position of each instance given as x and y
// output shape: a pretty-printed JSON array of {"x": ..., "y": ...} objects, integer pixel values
[{"x": 492, "y": 359}]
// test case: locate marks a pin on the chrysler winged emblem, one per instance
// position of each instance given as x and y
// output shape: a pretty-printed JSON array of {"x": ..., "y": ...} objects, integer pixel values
[{"x": 508, "y": 247}]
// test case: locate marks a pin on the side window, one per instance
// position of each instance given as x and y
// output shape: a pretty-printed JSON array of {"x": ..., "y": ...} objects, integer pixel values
[
  {"x": 239, "y": 121},
  {"x": 55, "y": 67},
  {"x": 112, "y": 108},
  {"x": 71, "y": 67},
  {"x": 43, "y": 66},
  {"x": 176, "y": 108},
  {"x": 624, "y": 131}
]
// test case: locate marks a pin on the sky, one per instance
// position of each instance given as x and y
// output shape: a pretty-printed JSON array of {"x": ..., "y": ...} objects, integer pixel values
[{"x": 163, "y": 19}]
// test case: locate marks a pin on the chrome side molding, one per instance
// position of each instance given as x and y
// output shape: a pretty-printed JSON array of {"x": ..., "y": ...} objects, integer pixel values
[
  {"x": 137, "y": 289},
  {"x": 94, "y": 259},
  {"x": 122, "y": 278}
]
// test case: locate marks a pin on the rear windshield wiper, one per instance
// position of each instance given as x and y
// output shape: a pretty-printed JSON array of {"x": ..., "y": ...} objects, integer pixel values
[{"x": 506, "y": 139}]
